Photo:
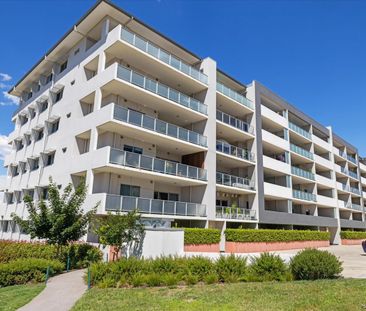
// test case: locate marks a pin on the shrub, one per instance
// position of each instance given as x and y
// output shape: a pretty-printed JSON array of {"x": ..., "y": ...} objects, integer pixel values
[
  {"x": 201, "y": 236},
  {"x": 191, "y": 279},
  {"x": 211, "y": 278},
  {"x": 231, "y": 268},
  {"x": 153, "y": 279},
  {"x": 268, "y": 267},
  {"x": 353, "y": 235},
  {"x": 199, "y": 266},
  {"x": 80, "y": 254},
  {"x": 21, "y": 271},
  {"x": 170, "y": 279},
  {"x": 313, "y": 264},
  {"x": 270, "y": 235},
  {"x": 138, "y": 280}
]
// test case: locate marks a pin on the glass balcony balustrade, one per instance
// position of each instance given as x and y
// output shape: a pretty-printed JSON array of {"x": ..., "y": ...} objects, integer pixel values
[
  {"x": 153, "y": 206},
  {"x": 236, "y": 213},
  {"x": 302, "y": 173},
  {"x": 164, "y": 56},
  {"x": 301, "y": 195},
  {"x": 299, "y": 130},
  {"x": 234, "y": 122},
  {"x": 301, "y": 151},
  {"x": 158, "y": 126},
  {"x": 131, "y": 159},
  {"x": 234, "y": 181},
  {"x": 221, "y": 88},
  {"x": 160, "y": 89},
  {"x": 226, "y": 148}
]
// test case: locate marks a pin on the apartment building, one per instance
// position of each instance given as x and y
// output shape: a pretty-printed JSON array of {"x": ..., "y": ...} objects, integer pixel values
[{"x": 150, "y": 125}]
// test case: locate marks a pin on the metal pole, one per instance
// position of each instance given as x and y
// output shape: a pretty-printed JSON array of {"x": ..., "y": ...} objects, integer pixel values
[
  {"x": 68, "y": 263},
  {"x": 47, "y": 274},
  {"x": 89, "y": 277}
]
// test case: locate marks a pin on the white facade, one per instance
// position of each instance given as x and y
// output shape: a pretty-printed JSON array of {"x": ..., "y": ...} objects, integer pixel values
[{"x": 149, "y": 125}]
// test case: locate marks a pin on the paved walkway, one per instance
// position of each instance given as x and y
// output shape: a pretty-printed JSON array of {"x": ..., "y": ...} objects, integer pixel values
[
  {"x": 60, "y": 294},
  {"x": 352, "y": 256}
]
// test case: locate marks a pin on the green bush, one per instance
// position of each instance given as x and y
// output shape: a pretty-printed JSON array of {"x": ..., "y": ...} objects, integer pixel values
[
  {"x": 313, "y": 264},
  {"x": 231, "y": 268},
  {"x": 200, "y": 266},
  {"x": 211, "y": 278},
  {"x": 268, "y": 267},
  {"x": 80, "y": 254},
  {"x": 201, "y": 236},
  {"x": 270, "y": 235},
  {"x": 21, "y": 271},
  {"x": 353, "y": 235}
]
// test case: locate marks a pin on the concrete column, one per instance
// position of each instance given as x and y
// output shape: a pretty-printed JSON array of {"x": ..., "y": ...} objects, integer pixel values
[
  {"x": 335, "y": 232},
  {"x": 97, "y": 99},
  {"x": 209, "y": 197},
  {"x": 89, "y": 180}
]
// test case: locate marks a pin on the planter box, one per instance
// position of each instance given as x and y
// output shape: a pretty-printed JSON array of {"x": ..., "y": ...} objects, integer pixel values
[
  {"x": 352, "y": 242},
  {"x": 202, "y": 248},
  {"x": 256, "y": 247}
]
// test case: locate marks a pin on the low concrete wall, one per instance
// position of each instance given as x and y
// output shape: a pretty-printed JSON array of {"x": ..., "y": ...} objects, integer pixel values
[
  {"x": 255, "y": 247},
  {"x": 352, "y": 242},
  {"x": 202, "y": 248}
]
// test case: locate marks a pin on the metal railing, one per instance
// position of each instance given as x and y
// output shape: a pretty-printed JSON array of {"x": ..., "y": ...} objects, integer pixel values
[
  {"x": 153, "y": 206},
  {"x": 299, "y": 130},
  {"x": 160, "y": 89},
  {"x": 302, "y": 173},
  {"x": 235, "y": 213},
  {"x": 234, "y": 181},
  {"x": 226, "y": 148},
  {"x": 301, "y": 151},
  {"x": 157, "y": 52},
  {"x": 131, "y": 159},
  {"x": 158, "y": 126},
  {"x": 232, "y": 121},
  {"x": 303, "y": 195},
  {"x": 221, "y": 88}
]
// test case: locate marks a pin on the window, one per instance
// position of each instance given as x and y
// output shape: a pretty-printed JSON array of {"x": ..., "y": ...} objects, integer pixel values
[
  {"x": 43, "y": 106},
  {"x": 77, "y": 51},
  {"x": 132, "y": 149},
  {"x": 23, "y": 167},
  {"x": 49, "y": 78},
  {"x": 29, "y": 193},
  {"x": 35, "y": 164},
  {"x": 18, "y": 196},
  {"x": 39, "y": 134},
  {"x": 10, "y": 197},
  {"x": 54, "y": 126},
  {"x": 29, "y": 95},
  {"x": 131, "y": 191},
  {"x": 32, "y": 113},
  {"x": 23, "y": 119},
  {"x": 43, "y": 193},
  {"x": 5, "y": 226},
  {"x": 59, "y": 95},
  {"x": 15, "y": 170},
  {"x": 38, "y": 87},
  {"x": 19, "y": 144},
  {"x": 50, "y": 159},
  {"x": 166, "y": 196},
  {"x": 28, "y": 139},
  {"x": 63, "y": 66},
  {"x": 222, "y": 203}
]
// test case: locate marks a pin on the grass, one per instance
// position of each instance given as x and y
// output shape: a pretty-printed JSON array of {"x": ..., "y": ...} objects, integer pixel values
[
  {"x": 327, "y": 295},
  {"x": 14, "y": 297}
]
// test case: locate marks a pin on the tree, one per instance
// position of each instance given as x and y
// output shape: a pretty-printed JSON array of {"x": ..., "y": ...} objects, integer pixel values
[
  {"x": 59, "y": 220},
  {"x": 119, "y": 230}
]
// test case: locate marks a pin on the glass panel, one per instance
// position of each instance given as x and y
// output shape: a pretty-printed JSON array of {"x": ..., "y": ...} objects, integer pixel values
[
  {"x": 146, "y": 163},
  {"x": 169, "y": 207},
  {"x": 161, "y": 126},
  {"x": 140, "y": 43},
  {"x": 181, "y": 208},
  {"x": 128, "y": 203},
  {"x": 173, "y": 95},
  {"x": 193, "y": 137},
  {"x": 132, "y": 159},
  {"x": 137, "y": 79},
  {"x": 151, "y": 85},
  {"x": 164, "y": 56},
  {"x": 192, "y": 172},
  {"x": 124, "y": 73},
  {"x": 184, "y": 100},
  {"x": 172, "y": 130},
  {"x": 143, "y": 205},
  {"x": 191, "y": 209},
  {"x": 182, "y": 170},
  {"x": 127, "y": 36},
  {"x": 113, "y": 203},
  {"x": 157, "y": 206},
  {"x": 135, "y": 117},
  {"x": 175, "y": 62},
  {"x": 120, "y": 113},
  {"x": 148, "y": 122},
  {"x": 171, "y": 168},
  {"x": 117, "y": 157},
  {"x": 159, "y": 165},
  {"x": 153, "y": 50},
  {"x": 163, "y": 90},
  {"x": 183, "y": 134}
]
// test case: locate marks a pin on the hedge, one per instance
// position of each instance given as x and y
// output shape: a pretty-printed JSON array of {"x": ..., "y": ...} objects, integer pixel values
[
  {"x": 201, "y": 236},
  {"x": 22, "y": 271},
  {"x": 353, "y": 235},
  {"x": 270, "y": 235},
  {"x": 80, "y": 254}
]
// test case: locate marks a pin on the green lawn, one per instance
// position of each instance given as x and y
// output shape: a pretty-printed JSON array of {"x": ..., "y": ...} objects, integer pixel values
[
  {"x": 14, "y": 297},
  {"x": 306, "y": 295}
]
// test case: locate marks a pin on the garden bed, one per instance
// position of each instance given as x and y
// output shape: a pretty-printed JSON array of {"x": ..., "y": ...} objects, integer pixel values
[{"x": 202, "y": 240}]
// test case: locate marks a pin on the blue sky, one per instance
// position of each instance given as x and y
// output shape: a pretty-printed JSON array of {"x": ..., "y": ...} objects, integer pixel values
[{"x": 312, "y": 53}]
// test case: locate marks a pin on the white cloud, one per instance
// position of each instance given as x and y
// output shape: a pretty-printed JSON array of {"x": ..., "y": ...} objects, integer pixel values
[
  {"x": 10, "y": 100},
  {"x": 4, "y": 86},
  {"x": 5, "y": 77},
  {"x": 5, "y": 148}
]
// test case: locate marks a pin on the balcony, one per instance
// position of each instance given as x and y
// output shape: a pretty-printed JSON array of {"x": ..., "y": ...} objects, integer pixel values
[
  {"x": 153, "y": 206},
  {"x": 349, "y": 173},
  {"x": 274, "y": 191},
  {"x": 234, "y": 151},
  {"x": 301, "y": 151},
  {"x": 162, "y": 55},
  {"x": 355, "y": 191},
  {"x": 235, "y": 213},
  {"x": 326, "y": 201},
  {"x": 273, "y": 117},
  {"x": 301, "y": 195},
  {"x": 329, "y": 183},
  {"x": 147, "y": 163},
  {"x": 323, "y": 162},
  {"x": 158, "y": 126},
  {"x": 234, "y": 123},
  {"x": 299, "y": 130},
  {"x": 276, "y": 142},
  {"x": 235, "y": 96},
  {"x": 352, "y": 159},
  {"x": 276, "y": 165},
  {"x": 302, "y": 173},
  {"x": 160, "y": 89},
  {"x": 234, "y": 181},
  {"x": 356, "y": 207}
]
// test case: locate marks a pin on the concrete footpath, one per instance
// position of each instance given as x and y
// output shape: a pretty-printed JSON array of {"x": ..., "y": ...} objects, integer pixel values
[{"x": 60, "y": 294}]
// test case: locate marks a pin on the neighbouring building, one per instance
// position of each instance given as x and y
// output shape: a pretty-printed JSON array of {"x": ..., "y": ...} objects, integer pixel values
[{"x": 150, "y": 125}]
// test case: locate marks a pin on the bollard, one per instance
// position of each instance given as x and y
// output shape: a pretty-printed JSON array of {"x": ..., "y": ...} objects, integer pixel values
[
  {"x": 68, "y": 263},
  {"x": 47, "y": 274}
]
